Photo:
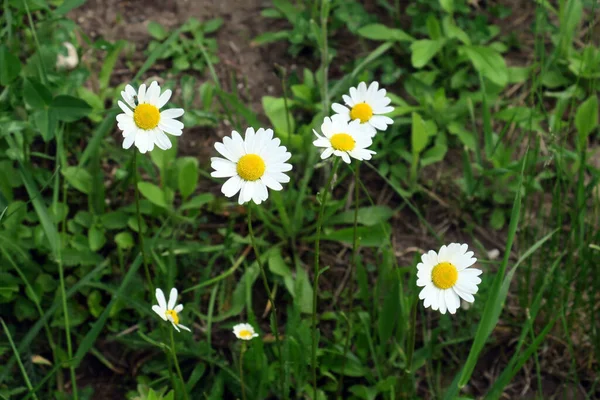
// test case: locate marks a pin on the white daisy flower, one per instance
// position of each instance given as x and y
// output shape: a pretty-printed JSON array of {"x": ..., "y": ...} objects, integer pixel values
[
  {"x": 170, "y": 311},
  {"x": 367, "y": 105},
  {"x": 252, "y": 165},
  {"x": 343, "y": 139},
  {"x": 244, "y": 332},
  {"x": 446, "y": 277},
  {"x": 142, "y": 123}
]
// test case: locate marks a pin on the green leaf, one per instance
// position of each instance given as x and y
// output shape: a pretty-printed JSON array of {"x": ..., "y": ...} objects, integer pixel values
[
  {"x": 198, "y": 201},
  {"x": 447, "y": 5},
  {"x": 497, "y": 219},
  {"x": 212, "y": 25},
  {"x": 586, "y": 118},
  {"x": 434, "y": 154},
  {"x": 382, "y": 32},
  {"x": 157, "y": 31},
  {"x": 45, "y": 120},
  {"x": 114, "y": 220},
  {"x": 94, "y": 300},
  {"x": 68, "y": 5},
  {"x": 164, "y": 158},
  {"x": 488, "y": 62},
  {"x": 109, "y": 64},
  {"x": 10, "y": 66},
  {"x": 271, "y": 37},
  {"x": 153, "y": 193},
  {"x": 35, "y": 94},
  {"x": 369, "y": 236},
  {"x": 79, "y": 178},
  {"x": 424, "y": 50},
  {"x": 96, "y": 238},
  {"x": 276, "y": 112},
  {"x": 188, "y": 176},
  {"x": 368, "y": 216},
  {"x": 124, "y": 240},
  {"x": 69, "y": 108},
  {"x": 419, "y": 136}
]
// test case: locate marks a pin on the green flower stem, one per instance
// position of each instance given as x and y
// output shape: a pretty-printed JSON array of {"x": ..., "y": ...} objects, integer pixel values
[
  {"x": 316, "y": 274},
  {"x": 242, "y": 370},
  {"x": 139, "y": 223},
  {"x": 353, "y": 267},
  {"x": 174, "y": 354},
  {"x": 275, "y": 325}
]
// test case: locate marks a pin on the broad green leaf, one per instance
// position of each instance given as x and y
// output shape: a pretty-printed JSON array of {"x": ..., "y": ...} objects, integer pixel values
[
  {"x": 586, "y": 118},
  {"x": 368, "y": 236},
  {"x": 424, "y": 50},
  {"x": 96, "y": 238},
  {"x": 212, "y": 25},
  {"x": 188, "y": 176},
  {"x": 447, "y": 5},
  {"x": 382, "y": 32},
  {"x": 124, "y": 240},
  {"x": 157, "y": 31},
  {"x": 434, "y": 154},
  {"x": 153, "y": 193},
  {"x": 10, "y": 66},
  {"x": 68, "y": 108},
  {"x": 46, "y": 121},
  {"x": 276, "y": 112},
  {"x": 114, "y": 220},
  {"x": 68, "y": 5},
  {"x": 35, "y": 94},
  {"x": 198, "y": 201},
  {"x": 419, "y": 136},
  {"x": 79, "y": 178},
  {"x": 368, "y": 216},
  {"x": 488, "y": 62}
]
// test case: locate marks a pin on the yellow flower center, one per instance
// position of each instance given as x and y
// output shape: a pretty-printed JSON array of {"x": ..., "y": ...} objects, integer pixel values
[
  {"x": 343, "y": 142},
  {"x": 173, "y": 315},
  {"x": 361, "y": 111},
  {"x": 245, "y": 334},
  {"x": 444, "y": 275},
  {"x": 146, "y": 116},
  {"x": 251, "y": 167}
]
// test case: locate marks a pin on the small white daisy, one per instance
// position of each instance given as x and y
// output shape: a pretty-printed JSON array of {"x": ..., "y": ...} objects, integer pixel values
[
  {"x": 244, "y": 332},
  {"x": 144, "y": 124},
  {"x": 446, "y": 277},
  {"x": 344, "y": 139},
  {"x": 252, "y": 165},
  {"x": 366, "y": 105},
  {"x": 170, "y": 311}
]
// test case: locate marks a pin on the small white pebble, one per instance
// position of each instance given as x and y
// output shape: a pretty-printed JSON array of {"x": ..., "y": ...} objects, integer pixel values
[
  {"x": 70, "y": 61},
  {"x": 493, "y": 254}
]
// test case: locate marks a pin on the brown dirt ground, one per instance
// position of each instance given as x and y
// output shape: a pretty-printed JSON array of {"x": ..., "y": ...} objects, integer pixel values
[{"x": 116, "y": 19}]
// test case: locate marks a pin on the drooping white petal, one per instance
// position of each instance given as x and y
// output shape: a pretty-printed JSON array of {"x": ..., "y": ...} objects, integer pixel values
[
  {"x": 159, "y": 311},
  {"x": 232, "y": 186}
]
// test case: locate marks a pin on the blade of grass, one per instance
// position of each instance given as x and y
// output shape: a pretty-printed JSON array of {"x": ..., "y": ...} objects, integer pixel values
[{"x": 18, "y": 357}]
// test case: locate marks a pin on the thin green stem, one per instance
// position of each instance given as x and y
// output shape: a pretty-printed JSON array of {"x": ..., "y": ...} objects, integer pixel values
[
  {"x": 174, "y": 354},
  {"x": 37, "y": 43},
  {"x": 243, "y": 350},
  {"x": 316, "y": 273},
  {"x": 275, "y": 325},
  {"x": 139, "y": 223},
  {"x": 18, "y": 357},
  {"x": 353, "y": 267}
]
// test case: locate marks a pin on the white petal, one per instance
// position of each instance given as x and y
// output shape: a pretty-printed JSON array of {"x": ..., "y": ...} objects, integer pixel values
[
  {"x": 235, "y": 145},
  {"x": 442, "y": 302},
  {"x": 159, "y": 311},
  {"x": 452, "y": 301},
  {"x": 378, "y": 122},
  {"x": 162, "y": 140},
  {"x": 172, "y": 113},
  {"x": 163, "y": 98},
  {"x": 348, "y": 100},
  {"x": 345, "y": 157},
  {"x": 362, "y": 91},
  {"x": 249, "y": 140},
  {"x": 129, "y": 139},
  {"x": 175, "y": 326},
  {"x": 223, "y": 168},
  {"x": 271, "y": 182},
  {"x": 184, "y": 327},
  {"x": 326, "y": 153},
  {"x": 160, "y": 297},
  {"x": 125, "y": 109},
  {"x": 340, "y": 109},
  {"x": 468, "y": 297},
  {"x": 224, "y": 151},
  {"x": 232, "y": 186},
  {"x": 153, "y": 93},
  {"x": 172, "y": 299},
  {"x": 322, "y": 142},
  {"x": 142, "y": 93},
  {"x": 171, "y": 126},
  {"x": 178, "y": 308}
]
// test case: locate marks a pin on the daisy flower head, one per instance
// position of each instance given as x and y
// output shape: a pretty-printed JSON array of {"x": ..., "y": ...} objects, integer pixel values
[
  {"x": 244, "y": 332},
  {"x": 143, "y": 123},
  {"x": 344, "y": 139},
  {"x": 252, "y": 164},
  {"x": 169, "y": 311},
  {"x": 446, "y": 277},
  {"x": 368, "y": 106}
]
